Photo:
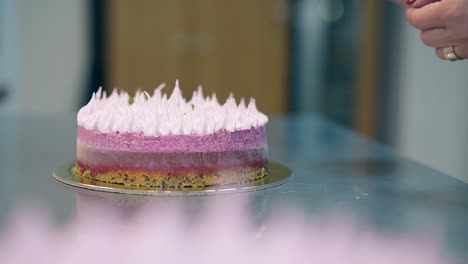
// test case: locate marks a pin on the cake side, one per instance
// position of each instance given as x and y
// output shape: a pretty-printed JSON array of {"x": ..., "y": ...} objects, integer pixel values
[
  {"x": 221, "y": 140},
  {"x": 173, "y": 161}
]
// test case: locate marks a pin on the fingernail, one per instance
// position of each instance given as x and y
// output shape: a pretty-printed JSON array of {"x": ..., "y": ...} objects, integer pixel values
[{"x": 410, "y": 2}]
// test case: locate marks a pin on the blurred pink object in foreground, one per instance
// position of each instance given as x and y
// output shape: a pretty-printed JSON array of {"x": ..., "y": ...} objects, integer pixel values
[{"x": 223, "y": 232}]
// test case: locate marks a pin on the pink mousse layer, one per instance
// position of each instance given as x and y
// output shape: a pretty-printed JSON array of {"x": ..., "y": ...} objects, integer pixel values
[
  {"x": 176, "y": 163},
  {"x": 222, "y": 140}
]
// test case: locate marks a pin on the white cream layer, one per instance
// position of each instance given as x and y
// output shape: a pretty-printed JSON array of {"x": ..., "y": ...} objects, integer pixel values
[{"x": 158, "y": 115}]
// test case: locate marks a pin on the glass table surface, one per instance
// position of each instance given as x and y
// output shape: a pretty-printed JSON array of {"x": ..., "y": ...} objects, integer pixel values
[{"x": 334, "y": 170}]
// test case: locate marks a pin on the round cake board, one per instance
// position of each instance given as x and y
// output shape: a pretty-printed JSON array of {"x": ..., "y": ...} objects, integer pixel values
[{"x": 278, "y": 174}]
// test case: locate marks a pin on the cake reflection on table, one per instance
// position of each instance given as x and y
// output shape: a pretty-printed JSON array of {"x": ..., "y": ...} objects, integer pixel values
[{"x": 222, "y": 230}]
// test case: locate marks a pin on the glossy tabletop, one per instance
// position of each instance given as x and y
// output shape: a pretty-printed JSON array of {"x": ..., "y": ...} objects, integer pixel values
[{"x": 335, "y": 170}]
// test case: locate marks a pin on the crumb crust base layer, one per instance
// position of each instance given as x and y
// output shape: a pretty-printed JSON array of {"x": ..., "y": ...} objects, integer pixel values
[{"x": 191, "y": 179}]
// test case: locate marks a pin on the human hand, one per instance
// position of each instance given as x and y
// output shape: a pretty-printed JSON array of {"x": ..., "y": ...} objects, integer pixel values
[{"x": 443, "y": 25}]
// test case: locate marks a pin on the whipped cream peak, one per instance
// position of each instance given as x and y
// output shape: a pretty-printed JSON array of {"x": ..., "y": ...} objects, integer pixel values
[{"x": 159, "y": 114}]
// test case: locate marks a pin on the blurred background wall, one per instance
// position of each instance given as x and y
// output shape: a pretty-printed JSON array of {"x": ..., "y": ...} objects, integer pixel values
[
  {"x": 432, "y": 107},
  {"x": 46, "y": 54},
  {"x": 357, "y": 62},
  {"x": 8, "y": 54}
]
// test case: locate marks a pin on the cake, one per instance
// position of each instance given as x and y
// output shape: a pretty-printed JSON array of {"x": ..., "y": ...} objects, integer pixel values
[{"x": 169, "y": 142}]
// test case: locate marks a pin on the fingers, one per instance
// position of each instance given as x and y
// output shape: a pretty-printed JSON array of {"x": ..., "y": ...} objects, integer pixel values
[
  {"x": 421, "y": 3},
  {"x": 441, "y": 37},
  {"x": 437, "y": 37},
  {"x": 461, "y": 51},
  {"x": 427, "y": 17},
  {"x": 443, "y": 24}
]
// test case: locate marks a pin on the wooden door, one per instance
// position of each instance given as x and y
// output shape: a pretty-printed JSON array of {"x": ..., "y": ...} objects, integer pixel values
[
  {"x": 141, "y": 49},
  {"x": 239, "y": 46}
]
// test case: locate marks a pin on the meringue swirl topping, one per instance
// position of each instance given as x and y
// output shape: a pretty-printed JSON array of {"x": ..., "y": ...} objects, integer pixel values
[{"x": 160, "y": 115}]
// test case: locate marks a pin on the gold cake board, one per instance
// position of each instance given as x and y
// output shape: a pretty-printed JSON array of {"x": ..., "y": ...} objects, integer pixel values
[{"x": 278, "y": 174}]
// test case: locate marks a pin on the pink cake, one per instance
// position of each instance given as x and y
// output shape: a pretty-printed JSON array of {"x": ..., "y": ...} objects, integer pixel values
[{"x": 158, "y": 141}]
